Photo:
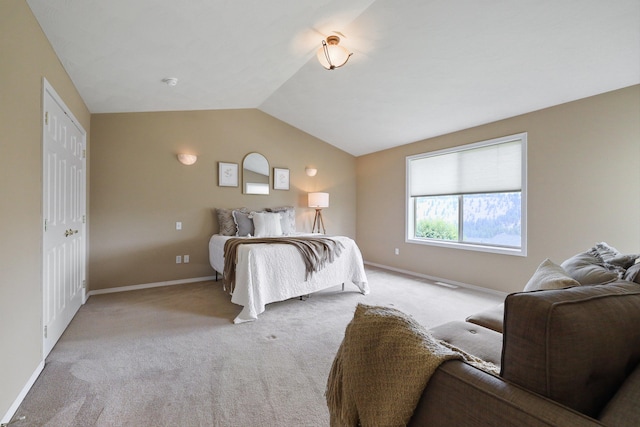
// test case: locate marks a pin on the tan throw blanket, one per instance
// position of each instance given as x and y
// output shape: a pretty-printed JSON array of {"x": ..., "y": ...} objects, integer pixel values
[
  {"x": 382, "y": 367},
  {"x": 316, "y": 253}
]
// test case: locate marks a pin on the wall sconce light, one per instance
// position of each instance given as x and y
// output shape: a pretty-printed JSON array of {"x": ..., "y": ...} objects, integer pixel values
[
  {"x": 318, "y": 201},
  {"x": 332, "y": 56},
  {"x": 310, "y": 171},
  {"x": 187, "y": 159}
]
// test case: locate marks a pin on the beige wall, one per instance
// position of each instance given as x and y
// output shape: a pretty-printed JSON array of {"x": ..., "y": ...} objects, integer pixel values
[
  {"x": 583, "y": 184},
  {"x": 26, "y": 57},
  {"x": 139, "y": 189}
]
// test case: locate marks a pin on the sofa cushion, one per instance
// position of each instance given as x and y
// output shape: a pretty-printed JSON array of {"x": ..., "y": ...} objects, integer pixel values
[
  {"x": 549, "y": 276},
  {"x": 588, "y": 268},
  {"x": 473, "y": 339},
  {"x": 606, "y": 251},
  {"x": 491, "y": 318},
  {"x": 633, "y": 273},
  {"x": 575, "y": 345},
  {"x": 623, "y": 410},
  {"x": 611, "y": 255}
]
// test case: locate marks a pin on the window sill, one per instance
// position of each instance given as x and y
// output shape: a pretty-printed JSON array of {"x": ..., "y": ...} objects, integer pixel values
[{"x": 470, "y": 247}]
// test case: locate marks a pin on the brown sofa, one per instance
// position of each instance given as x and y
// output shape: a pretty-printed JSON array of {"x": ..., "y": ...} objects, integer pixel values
[{"x": 567, "y": 357}]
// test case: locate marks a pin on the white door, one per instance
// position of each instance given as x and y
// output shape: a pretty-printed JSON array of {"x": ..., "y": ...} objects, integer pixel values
[{"x": 64, "y": 200}]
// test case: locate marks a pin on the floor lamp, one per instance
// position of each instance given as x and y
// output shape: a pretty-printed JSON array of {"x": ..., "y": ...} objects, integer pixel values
[{"x": 318, "y": 201}]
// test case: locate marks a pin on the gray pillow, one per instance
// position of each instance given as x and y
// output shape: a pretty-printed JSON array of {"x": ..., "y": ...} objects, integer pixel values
[
  {"x": 549, "y": 276},
  {"x": 288, "y": 219},
  {"x": 611, "y": 255},
  {"x": 633, "y": 273},
  {"x": 225, "y": 221},
  {"x": 605, "y": 251},
  {"x": 623, "y": 261},
  {"x": 589, "y": 269},
  {"x": 244, "y": 223}
]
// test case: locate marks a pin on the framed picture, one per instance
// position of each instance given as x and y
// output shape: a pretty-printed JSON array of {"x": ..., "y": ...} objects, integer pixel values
[
  {"x": 280, "y": 179},
  {"x": 227, "y": 174}
]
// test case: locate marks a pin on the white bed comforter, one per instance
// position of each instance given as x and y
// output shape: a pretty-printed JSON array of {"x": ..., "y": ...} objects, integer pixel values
[{"x": 267, "y": 273}]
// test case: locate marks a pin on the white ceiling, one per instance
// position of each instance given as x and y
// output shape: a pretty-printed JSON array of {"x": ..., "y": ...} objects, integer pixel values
[{"x": 420, "y": 68}]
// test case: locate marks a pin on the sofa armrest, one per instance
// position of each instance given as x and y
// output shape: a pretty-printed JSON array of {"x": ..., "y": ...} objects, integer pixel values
[
  {"x": 575, "y": 346},
  {"x": 459, "y": 394}
]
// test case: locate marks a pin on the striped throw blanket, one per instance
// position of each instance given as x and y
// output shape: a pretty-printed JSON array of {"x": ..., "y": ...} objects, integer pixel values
[{"x": 316, "y": 253}]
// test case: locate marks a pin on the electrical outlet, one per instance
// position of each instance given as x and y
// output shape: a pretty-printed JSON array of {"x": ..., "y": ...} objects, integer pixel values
[
  {"x": 186, "y": 259},
  {"x": 397, "y": 251},
  {"x": 178, "y": 259}
]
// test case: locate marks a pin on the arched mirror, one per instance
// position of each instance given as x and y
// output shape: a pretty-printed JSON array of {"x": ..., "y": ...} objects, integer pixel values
[{"x": 255, "y": 174}]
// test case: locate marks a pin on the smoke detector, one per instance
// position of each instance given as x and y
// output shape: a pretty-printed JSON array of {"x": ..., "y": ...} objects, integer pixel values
[{"x": 170, "y": 81}]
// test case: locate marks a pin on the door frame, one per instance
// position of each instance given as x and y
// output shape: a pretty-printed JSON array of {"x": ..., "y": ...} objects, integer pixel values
[{"x": 47, "y": 88}]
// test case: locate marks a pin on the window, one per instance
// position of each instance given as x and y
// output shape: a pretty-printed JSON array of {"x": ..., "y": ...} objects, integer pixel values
[{"x": 470, "y": 197}]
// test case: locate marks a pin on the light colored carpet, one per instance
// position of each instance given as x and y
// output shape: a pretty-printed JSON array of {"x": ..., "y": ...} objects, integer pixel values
[{"x": 171, "y": 356}]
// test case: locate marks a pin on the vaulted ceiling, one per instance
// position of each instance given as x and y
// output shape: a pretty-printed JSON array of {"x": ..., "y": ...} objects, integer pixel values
[{"x": 420, "y": 68}]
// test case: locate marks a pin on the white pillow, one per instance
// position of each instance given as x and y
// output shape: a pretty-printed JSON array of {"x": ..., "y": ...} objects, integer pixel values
[
  {"x": 550, "y": 276},
  {"x": 288, "y": 220},
  {"x": 267, "y": 224}
]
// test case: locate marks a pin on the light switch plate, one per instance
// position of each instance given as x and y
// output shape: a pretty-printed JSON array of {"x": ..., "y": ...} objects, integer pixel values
[{"x": 178, "y": 225}]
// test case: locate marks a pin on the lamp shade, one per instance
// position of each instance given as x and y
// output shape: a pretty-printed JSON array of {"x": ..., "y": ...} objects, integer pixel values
[{"x": 318, "y": 200}]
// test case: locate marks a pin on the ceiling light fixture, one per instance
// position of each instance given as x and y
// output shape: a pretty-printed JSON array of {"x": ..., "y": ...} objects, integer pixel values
[{"x": 332, "y": 56}]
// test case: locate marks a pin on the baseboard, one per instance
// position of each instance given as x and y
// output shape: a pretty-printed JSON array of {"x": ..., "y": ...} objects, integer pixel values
[
  {"x": 149, "y": 285},
  {"x": 16, "y": 404},
  {"x": 445, "y": 282}
]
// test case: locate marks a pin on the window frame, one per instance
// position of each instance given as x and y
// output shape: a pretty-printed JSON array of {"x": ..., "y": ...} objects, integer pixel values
[{"x": 410, "y": 214}]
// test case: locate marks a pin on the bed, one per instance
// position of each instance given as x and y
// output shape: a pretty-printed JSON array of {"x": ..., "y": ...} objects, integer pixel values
[{"x": 267, "y": 273}]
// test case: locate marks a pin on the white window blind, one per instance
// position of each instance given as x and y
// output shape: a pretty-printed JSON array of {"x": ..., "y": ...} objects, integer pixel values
[{"x": 494, "y": 166}]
